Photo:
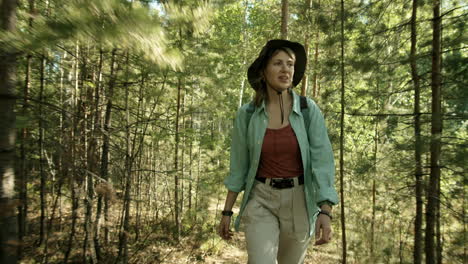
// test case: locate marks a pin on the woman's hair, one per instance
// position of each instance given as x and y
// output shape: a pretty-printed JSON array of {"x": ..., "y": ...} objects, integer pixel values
[{"x": 261, "y": 93}]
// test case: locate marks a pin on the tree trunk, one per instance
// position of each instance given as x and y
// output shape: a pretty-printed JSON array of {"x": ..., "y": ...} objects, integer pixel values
[
  {"x": 73, "y": 132},
  {"x": 465, "y": 231},
  {"x": 41, "y": 154},
  {"x": 436, "y": 133},
  {"x": 284, "y": 19},
  {"x": 98, "y": 127},
  {"x": 51, "y": 219},
  {"x": 417, "y": 258},
  {"x": 72, "y": 196},
  {"x": 372, "y": 238},
  {"x": 401, "y": 243},
  {"x": 197, "y": 184},
  {"x": 438, "y": 230},
  {"x": 64, "y": 159},
  {"x": 123, "y": 243},
  {"x": 8, "y": 232},
  {"x": 305, "y": 78},
  {"x": 139, "y": 194},
  {"x": 45, "y": 227},
  {"x": 91, "y": 125},
  {"x": 104, "y": 195},
  {"x": 139, "y": 154},
  {"x": 342, "y": 138},
  {"x": 83, "y": 117},
  {"x": 182, "y": 159},
  {"x": 23, "y": 191},
  {"x": 315, "y": 89},
  {"x": 154, "y": 197},
  {"x": 176, "y": 163},
  {"x": 306, "y": 16},
  {"x": 43, "y": 176},
  {"x": 190, "y": 190},
  {"x": 245, "y": 43}
]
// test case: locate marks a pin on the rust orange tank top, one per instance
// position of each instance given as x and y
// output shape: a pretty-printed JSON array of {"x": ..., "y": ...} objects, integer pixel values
[{"x": 281, "y": 156}]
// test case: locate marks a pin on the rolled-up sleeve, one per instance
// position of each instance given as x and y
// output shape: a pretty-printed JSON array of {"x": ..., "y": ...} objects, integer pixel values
[
  {"x": 321, "y": 153},
  {"x": 239, "y": 160}
]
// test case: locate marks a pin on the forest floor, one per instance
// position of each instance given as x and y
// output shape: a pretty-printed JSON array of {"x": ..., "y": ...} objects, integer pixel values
[
  {"x": 199, "y": 243},
  {"x": 234, "y": 252},
  {"x": 156, "y": 247}
]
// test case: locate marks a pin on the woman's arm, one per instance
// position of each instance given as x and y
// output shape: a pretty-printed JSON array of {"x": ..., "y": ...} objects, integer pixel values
[
  {"x": 223, "y": 228},
  {"x": 230, "y": 200},
  {"x": 323, "y": 169},
  {"x": 323, "y": 230},
  {"x": 239, "y": 165},
  {"x": 321, "y": 157},
  {"x": 239, "y": 154}
]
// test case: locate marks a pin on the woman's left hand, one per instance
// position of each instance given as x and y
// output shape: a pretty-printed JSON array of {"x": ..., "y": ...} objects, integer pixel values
[{"x": 323, "y": 231}]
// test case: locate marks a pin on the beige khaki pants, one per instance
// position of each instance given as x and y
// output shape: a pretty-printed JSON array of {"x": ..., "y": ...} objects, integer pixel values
[{"x": 276, "y": 225}]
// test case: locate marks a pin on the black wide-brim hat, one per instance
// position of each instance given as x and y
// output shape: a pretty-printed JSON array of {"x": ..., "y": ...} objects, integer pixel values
[{"x": 253, "y": 73}]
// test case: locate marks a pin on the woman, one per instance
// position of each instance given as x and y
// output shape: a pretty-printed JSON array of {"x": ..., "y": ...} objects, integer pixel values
[{"x": 282, "y": 159}]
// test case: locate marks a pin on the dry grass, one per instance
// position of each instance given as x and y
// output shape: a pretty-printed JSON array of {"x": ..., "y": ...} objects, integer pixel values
[{"x": 199, "y": 243}]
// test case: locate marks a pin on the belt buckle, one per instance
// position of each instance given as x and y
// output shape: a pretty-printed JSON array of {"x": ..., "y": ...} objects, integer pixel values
[{"x": 282, "y": 183}]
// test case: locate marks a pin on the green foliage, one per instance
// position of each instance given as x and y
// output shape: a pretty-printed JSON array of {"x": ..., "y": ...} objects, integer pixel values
[
  {"x": 202, "y": 49},
  {"x": 111, "y": 23}
]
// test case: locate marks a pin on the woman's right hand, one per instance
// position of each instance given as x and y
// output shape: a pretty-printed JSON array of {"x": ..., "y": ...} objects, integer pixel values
[{"x": 223, "y": 228}]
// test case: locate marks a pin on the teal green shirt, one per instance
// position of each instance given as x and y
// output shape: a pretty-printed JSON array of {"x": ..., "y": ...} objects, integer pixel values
[{"x": 316, "y": 153}]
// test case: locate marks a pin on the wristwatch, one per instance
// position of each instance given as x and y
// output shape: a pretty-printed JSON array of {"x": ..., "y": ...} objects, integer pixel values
[
  {"x": 227, "y": 213},
  {"x": 326, "y": 213}
]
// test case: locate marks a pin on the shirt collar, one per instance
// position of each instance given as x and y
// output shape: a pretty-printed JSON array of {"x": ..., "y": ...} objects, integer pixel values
[
  {"x": 296, "y": 102},
  {"x": 262, "y": 106}
]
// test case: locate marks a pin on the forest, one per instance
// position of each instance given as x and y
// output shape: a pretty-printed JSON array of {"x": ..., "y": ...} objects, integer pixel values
[{"x": 116, "y": 115}]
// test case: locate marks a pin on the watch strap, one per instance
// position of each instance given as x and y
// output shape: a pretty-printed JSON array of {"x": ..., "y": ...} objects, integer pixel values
[
  {"x": 227, "y": 213},
  {"x": 326, "y": 213}
]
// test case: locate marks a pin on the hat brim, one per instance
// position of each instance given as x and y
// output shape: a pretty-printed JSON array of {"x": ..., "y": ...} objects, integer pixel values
[{"x": 253, "y": 73}]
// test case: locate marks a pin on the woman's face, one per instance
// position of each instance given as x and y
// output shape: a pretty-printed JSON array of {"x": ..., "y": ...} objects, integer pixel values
[{"x": 279, "y": 71}]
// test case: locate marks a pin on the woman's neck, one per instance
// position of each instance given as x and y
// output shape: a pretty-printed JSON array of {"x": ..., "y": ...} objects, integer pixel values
[{"x": 274, "y": 98}]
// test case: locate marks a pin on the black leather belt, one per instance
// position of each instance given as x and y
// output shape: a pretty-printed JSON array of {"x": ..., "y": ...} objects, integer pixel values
[{"x": 281, "y": 183}]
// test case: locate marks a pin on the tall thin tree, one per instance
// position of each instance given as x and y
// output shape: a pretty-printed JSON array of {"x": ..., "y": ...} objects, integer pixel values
[
  {"x": 375, "y": 172},
  {"x": 72, "y": 156},
  {"x": 42, "y": 173},
  {"x": 245, "y": 36},
  {"x": 436, "y": 133},
  {"x": 418, "y": 144},
  {"x": 94, "y": 150},
  {"x": 306, "y": 17},
  {"x": 123, "y": 241},
  {"x": 315, "y": 90},
  {"x": 342, "y": 137},
  {"x": 103, "y": 199},
  {"x": 23, "y": 172},
  {"x": 8, "y": 230},
  {"x": 176, "y": 162},
  {"x": 43, "y": 176},
  {"x": 284, "y": 18},
  {"x": 91, "y": 121}
]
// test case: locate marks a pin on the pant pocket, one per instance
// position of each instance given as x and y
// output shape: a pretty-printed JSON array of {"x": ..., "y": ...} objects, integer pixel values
[{"x": 300, "y": 216}]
